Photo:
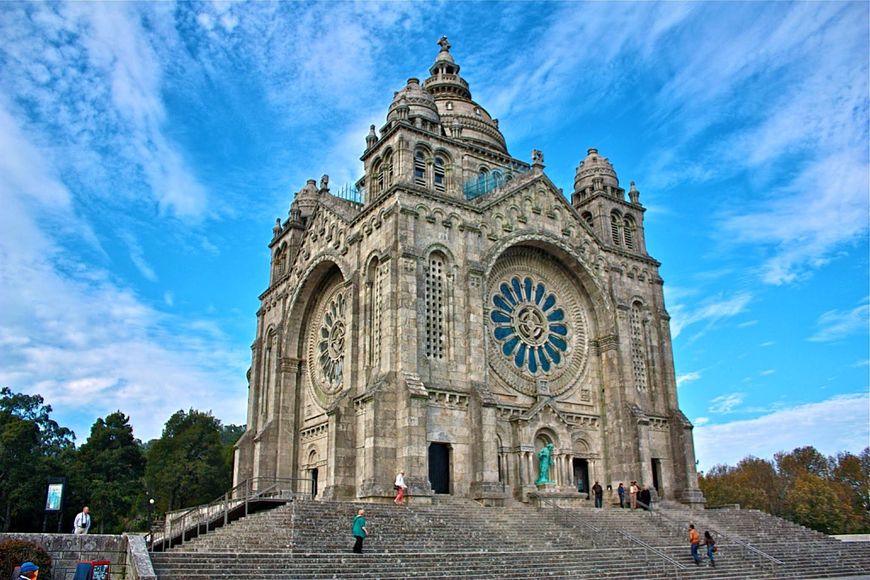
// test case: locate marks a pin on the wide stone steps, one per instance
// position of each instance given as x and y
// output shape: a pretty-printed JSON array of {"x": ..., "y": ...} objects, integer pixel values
[
  {"x": 539, "y": 564},
  {"x": 462, "y": 539}
]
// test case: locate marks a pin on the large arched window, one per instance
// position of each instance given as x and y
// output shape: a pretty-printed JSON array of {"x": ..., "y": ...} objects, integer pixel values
[
  {"x": 628, "y": 231},
  {"x": 377, "y": 278},
  {"x": 420, "y": 176},
  {"x": 638, "y": 348},
  {"x": 615, "y": 226},
  {"x": 435, "y": 306}
]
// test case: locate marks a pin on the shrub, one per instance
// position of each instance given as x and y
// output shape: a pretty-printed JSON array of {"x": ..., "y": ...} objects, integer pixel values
[{"x": 15, "y": 552}]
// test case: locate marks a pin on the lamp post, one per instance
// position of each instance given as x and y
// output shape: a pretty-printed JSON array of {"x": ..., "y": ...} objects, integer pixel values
[{"x": 151, "y": 522}]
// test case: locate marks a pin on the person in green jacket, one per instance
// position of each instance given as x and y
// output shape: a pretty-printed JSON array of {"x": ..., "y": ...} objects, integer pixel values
[{"x": 359, "y": 530}]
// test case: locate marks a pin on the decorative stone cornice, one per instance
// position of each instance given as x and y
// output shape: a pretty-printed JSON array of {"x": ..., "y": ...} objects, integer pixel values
[
  {"x": 415, "y": 385},
  {"x": 607, "y": 343}
]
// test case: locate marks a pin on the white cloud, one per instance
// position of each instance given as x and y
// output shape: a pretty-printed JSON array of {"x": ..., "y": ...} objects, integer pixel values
[
  {"x": 835, "y": 325},
  {"x": 747, "y": 324},
  {"x": 725, "y": 404},
  {"x": 688, "y": 377},
  {"x": 767, "y": 343},
  {"x": 767, "y": 372},
  {"x": 85, "y": 342},
  {"x": 709, "y": 312},
  {"x": 786, "y": 429},
  {"x": 701, "y": 421}
]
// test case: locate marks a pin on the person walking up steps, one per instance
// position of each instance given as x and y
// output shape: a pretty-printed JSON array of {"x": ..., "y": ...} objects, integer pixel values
[
  {"x": 695, "y": 541},
  {"x": 360, "y": 531},
  {"x": 401, "y": 488},
  {"x": 711, "y": 548}
]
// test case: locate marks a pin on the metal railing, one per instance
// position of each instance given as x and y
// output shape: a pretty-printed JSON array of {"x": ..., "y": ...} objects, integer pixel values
[
  {"x": 747, "y": 551},
  {"x": 350, "y": 192},
  {"x": 490, "y": 181},
  {"x": 650, "y": 552},
  {"x": 182, "y": 525}
]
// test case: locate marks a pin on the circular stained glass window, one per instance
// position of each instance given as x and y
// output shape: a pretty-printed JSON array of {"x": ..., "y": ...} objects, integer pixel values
[{"x": 529, "y": 325}]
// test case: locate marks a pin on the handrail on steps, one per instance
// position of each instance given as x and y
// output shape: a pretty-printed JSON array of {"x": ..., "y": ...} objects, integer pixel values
[
  {"x": 275, "y": 489},
  {"x": 575, "y": 518},
  {"x": 669, "y": 522}
]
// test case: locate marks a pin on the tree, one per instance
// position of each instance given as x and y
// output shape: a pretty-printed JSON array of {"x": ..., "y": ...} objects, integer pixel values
[
  {"x": 801, "y": 461},
  {"x": 813, "y": 502},
  {"x": 753, "y": 483},
  {"x": 112, "y": 463},
  {"x": 852, "y": 475},
  {"x": 187, "y": 466},
  {"x": 32, "y": 447}
]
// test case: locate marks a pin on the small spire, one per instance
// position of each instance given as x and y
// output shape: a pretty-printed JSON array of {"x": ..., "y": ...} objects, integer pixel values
[
  {"x": 634, "y": 194},
  {"x": 371, "y": 138},
  {"x": 537, "y": 160}
]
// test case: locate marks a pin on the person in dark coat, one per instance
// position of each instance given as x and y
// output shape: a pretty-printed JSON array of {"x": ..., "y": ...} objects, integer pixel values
[
  {"x": 599, "y": 495},
  {"x": 620, "y": 491},
  {"x": 644, "y": 497}
]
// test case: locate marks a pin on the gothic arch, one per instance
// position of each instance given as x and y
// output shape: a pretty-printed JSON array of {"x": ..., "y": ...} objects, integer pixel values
[
  {"x": 321, "y": 271},
  {"x": 569, "y": 258}
]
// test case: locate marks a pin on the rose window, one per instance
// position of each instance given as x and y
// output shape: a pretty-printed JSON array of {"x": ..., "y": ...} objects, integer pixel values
[
  {"x": 529, "y": 325},
  {"x": 330, "y": 343}
]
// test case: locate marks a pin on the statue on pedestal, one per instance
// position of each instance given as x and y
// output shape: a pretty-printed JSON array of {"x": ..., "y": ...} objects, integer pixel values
[{"x": 545, "y": 460}]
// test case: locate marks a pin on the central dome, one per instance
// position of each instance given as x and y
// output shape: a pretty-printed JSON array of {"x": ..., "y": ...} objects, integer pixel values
[{"x": 465, "y": 119}]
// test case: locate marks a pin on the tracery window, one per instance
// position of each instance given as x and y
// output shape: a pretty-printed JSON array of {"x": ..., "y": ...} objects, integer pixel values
[
  {"x": 638, "y": 348},
  {"x": 587, "y": 217},
  {"x": 376, "y": 309},
  {"x": 435, "y": 306}
]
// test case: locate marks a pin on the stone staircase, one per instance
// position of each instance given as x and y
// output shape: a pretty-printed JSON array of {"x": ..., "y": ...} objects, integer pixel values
[{"x": 459, "y": 538}]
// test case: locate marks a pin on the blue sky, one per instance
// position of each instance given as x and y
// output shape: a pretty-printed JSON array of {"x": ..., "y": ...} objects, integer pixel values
[{"x": 146, "y": 149}]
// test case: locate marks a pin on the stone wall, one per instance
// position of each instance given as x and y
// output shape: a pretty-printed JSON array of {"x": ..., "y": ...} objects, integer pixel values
[{"x": 67, "y": 549}]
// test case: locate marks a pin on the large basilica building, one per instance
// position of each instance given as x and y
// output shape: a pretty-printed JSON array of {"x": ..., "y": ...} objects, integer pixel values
[{"x": 460, "y": 315}]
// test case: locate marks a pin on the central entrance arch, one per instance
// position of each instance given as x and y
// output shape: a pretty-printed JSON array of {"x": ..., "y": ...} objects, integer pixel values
[{"x": 439, "y": 467}]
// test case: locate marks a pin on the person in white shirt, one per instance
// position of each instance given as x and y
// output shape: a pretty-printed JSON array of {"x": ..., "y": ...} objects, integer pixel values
[
  {"x": 401, "y": 488},
  {"x": 82, "y": 523}
]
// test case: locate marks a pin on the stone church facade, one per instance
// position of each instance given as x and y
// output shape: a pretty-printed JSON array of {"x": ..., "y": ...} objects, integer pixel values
[{"x": 459, "y": 318}]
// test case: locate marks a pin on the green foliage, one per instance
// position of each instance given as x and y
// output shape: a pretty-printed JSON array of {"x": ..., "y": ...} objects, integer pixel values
[
  {"x": 827, "y": 494},
  {"x": 812, "y": 502},
  {"x": 187, "y": 465},
  {"x": 32, "y": 448},
  {"x": 112, "y": 464},
  {"x": 112, "y": 472},
  {"x": 15, "y": 552}
]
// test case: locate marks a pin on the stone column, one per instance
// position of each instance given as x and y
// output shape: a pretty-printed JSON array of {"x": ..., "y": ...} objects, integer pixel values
[
  {"x": 288, "y": 383},
  {"x": 340, "y": 467}
]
